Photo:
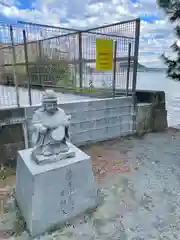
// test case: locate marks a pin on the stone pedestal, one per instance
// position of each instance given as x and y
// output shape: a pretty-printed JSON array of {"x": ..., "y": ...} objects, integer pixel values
[{"x": 50, "y": 194}]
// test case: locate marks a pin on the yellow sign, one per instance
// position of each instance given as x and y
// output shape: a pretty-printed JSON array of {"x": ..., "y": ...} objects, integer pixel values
[{"x": 104, "y": 54}]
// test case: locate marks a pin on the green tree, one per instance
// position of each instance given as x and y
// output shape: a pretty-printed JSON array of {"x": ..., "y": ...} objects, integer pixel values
[{"x": 172, "y": 10}]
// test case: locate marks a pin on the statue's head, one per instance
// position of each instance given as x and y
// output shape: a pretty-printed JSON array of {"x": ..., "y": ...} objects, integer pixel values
[{"x": 49, "y": 101}]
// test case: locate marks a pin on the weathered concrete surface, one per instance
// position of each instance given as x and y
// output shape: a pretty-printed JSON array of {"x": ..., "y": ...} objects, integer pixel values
[
  {"x": 142, "y": 203},
  {"x": 150, "y": 118},
  {"x": 144, "y": 118},
  {"x": 11, "y": 140}
]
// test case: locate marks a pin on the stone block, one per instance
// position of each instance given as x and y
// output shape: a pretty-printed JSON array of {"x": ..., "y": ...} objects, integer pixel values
[
  {"x": 98, "y": 114},
  {"x": 114, "y": 111},
  {"x": 98, "y": 104},
  {"x": 126, "y": 128},
  {"x": 144, "y": 118},
  {"x": 81, "y": 138},
  {"x": 126, "y": 119},
  {"x": 114, "y": 121},
  {"x": 68, "y": 107},
  {"x": 114, "y": 131},
  {"x": 100, "y": 123},
  {"x": 51, "y": 194},
  {"x": 99, "y": 134},
  {"x": 79, "y": 116},
  {"x": 119, "y": 102},
  {"x": 160, "y": 120}
]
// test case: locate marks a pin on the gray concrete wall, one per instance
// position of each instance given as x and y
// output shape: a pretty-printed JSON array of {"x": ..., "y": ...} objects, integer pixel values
[
  {"x": 11, "y": 134},
  {"x": 95, "y": 120},
  {"x": 151, "y": 118}
]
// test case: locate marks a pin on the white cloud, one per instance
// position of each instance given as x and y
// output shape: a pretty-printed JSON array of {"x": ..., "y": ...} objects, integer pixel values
[{"x": 155, "y": 38}]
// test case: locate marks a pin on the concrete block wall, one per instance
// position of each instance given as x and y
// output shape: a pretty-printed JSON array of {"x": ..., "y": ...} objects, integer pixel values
[
  {"x": 92, "y": 121},
  {"x": 95, "y": 120}
]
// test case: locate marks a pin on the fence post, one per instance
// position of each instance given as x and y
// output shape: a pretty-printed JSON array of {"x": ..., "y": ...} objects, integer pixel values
[
  {"x": 136, "y": 51},
  {"x": 27, "y": 66},
  {"x": 128, "y": 69},
  {"x": 114, "y": 69},
  {"x": 14, "y": 65},
  {"x": 40, "y": 78},
  {"x": 80, "y": 60}
]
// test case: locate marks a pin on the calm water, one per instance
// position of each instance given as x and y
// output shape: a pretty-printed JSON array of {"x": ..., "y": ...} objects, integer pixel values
[
  {"x": 158, "y": 81},
  {"x": 150, "y": 81}
]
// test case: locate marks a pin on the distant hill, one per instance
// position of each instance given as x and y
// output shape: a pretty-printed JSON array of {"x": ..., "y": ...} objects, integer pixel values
[
  {"x": 125, "y": 65},
  {"x": 142, "y": 68}
]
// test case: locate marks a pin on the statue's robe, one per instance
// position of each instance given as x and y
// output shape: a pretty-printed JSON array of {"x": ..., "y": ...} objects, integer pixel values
[{"x": 54, "y": 123}]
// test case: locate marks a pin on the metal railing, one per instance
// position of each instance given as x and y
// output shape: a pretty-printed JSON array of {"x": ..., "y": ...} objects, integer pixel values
[{"x": 41, "y": 56}]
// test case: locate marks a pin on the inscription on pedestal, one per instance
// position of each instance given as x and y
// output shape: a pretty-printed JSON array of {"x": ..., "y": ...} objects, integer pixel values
[{"x": 67, "y": 202}]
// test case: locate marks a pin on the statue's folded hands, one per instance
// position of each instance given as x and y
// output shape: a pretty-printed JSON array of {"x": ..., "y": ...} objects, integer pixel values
[
  {"x": 42, "y": 129},
  {"x": 50, "y": 127}
]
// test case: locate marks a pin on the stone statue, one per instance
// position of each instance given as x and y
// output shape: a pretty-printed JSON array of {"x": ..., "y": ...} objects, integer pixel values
[{"x": 50, "y": 131}]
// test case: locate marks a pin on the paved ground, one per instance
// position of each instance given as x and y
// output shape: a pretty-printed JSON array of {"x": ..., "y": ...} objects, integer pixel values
[
  {"x": 8, "y": 97},
  {"x": 140, "y": 181}
]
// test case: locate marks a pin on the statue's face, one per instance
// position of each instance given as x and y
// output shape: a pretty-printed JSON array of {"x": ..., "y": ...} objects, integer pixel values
[{"x": 50, "y": 107}]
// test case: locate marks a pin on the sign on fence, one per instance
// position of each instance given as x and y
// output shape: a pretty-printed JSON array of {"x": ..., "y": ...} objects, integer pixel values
[{"x": 104, "y": 54}]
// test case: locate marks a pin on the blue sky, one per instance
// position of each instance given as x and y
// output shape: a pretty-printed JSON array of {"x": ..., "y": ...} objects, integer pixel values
[{"x": 156, "y": 32}]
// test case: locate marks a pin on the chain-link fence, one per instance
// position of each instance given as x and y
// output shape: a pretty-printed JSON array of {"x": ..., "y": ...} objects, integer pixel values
[
  {"x": 124, "y": 36},
  {"x": 20, "y": 52},
  {"x": 41, "y": 56}
]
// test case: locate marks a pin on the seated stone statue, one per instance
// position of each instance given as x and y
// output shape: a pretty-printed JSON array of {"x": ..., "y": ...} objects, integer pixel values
[{"x": 50, "y": 131}]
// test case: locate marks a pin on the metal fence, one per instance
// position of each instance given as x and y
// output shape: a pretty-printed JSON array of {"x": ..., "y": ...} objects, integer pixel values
[{"x": 40, "y": 56}]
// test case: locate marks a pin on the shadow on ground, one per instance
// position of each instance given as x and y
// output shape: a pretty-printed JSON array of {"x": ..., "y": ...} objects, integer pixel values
[{"x": 140, "y": 180}]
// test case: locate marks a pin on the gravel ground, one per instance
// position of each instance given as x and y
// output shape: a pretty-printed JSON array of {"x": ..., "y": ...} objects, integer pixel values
[{"x": 143, "y": 203}]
